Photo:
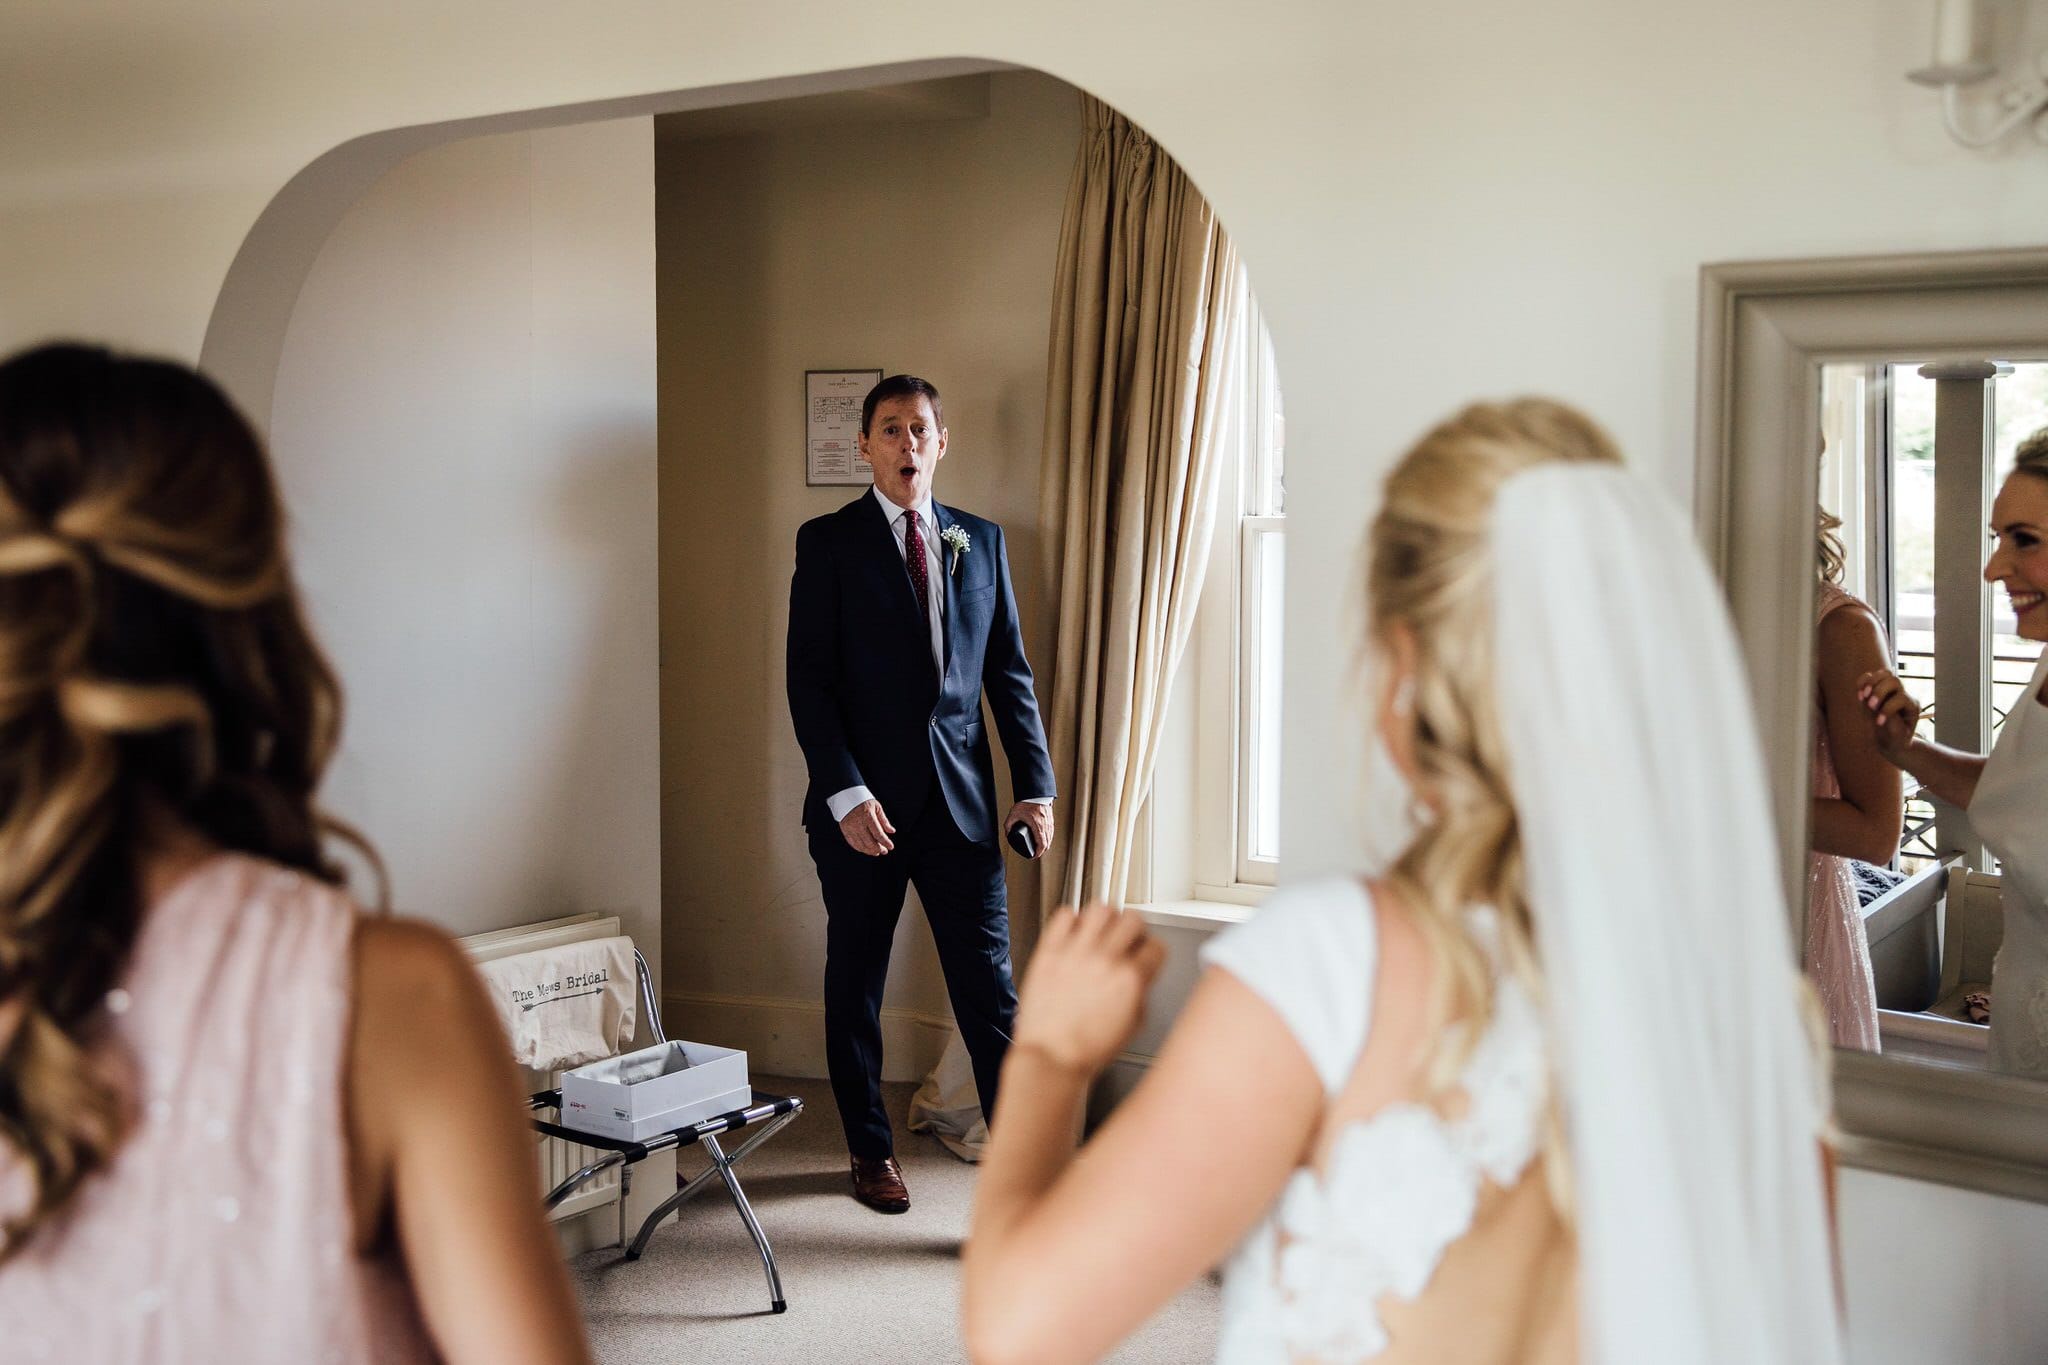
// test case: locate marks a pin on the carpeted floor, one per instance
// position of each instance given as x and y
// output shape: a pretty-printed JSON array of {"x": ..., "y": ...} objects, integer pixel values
[{"x": 861, "y": 1286}]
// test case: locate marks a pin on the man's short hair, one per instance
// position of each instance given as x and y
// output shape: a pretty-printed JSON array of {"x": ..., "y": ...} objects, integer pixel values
[{"x": 899, "y": 386}]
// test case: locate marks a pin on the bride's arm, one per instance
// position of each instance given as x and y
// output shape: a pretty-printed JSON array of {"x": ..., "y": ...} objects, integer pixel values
[{"x": 1067, "y": 1255}]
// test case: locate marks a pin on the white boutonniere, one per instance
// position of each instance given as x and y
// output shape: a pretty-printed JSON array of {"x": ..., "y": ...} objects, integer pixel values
[{"x": 958, "y": 542}]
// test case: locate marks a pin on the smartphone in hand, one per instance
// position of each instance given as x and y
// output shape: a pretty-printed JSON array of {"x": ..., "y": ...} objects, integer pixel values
[{"x": 1021, "y": 840}]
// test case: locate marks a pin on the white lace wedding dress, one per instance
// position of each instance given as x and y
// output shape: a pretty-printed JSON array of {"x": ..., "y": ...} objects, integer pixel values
[{"x": 1398, "y": 1188}]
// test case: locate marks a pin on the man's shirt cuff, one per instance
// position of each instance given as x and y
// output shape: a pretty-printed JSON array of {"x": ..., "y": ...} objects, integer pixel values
[
  {"x": 1035, "y": 800},
  {"x": 841, "y": 804}
]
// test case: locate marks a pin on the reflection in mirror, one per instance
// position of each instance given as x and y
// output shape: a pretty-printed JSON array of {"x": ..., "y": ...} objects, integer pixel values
[
  {"x": 1857, "y": 795},
  {"x": 1929, "y": 857}
]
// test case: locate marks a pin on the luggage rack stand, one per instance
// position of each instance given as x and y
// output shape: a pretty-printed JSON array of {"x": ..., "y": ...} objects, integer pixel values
[{"x": 775, "y": 1111}]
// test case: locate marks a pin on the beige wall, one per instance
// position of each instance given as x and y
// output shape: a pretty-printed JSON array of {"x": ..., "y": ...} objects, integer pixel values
[
  {"x": 1434, "y": 203},
  {"x": 917, "y": 246},
  {"x": 465, "y": 429},
  {"x": 154, "y": 260}
]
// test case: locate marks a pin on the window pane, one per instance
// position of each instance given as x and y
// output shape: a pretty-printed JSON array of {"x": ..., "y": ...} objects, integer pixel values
[
  {"x": 1261, "y": 605},
  {"x": 1911, "y": 412},
  {"x": 1906, "y": 535},
  {"x": 1845, "y": 469},
  {"x": 1910, "y": 409},
  {"x": 2019, "y": 408},
  {"x": 1912, "y": 528},
  {"x": 1272, "y": 434},
  {"x": 1270, "y": 561}
]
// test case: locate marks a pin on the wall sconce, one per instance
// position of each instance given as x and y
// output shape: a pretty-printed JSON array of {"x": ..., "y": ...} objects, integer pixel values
[{"x": 1960, "y": 59}]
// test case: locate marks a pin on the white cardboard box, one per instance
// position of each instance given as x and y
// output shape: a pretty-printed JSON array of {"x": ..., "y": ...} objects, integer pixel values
[{"x": 637, "y": 1095}]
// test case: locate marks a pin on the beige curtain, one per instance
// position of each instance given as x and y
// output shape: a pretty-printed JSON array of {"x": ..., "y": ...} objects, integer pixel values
[
  {"x": 1143, "y": 389},
  {"x": 1142, "y": 394}
]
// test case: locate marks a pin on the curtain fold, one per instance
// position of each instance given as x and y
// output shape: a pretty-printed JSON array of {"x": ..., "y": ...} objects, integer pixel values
[
  {"x": 1144, "y": 386},
  {"x": 1143, "y": 391}
]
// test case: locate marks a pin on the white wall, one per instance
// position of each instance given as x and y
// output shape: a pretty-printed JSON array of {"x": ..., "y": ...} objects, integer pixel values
[
  {"x": 465, "y": 430},
  {"x": 1435, "y": 202},
  {"x": 922, "y": 246},
  {"x": 1916, "y": 1294}
]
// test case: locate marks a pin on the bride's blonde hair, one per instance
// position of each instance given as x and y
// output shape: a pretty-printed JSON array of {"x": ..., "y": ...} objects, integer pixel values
[{"x": 1430, "y": 568}]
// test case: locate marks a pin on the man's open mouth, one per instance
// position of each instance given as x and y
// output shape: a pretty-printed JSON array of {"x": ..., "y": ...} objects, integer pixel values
[{"x": 908, "y": 471}]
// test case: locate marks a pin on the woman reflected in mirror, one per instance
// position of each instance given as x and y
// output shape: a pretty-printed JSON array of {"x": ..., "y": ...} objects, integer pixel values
[
  {"x": 1858, "y": 802},
  {"x": 2003, "y": 793}
]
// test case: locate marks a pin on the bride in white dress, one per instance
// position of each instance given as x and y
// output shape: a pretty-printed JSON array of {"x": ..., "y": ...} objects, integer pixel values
[
  {"x": 2005, "y": 794},
  {"x": 1542, "y": 1092}
]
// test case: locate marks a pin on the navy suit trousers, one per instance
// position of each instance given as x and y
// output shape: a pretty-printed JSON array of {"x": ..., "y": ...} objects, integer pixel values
[{"x": 960, "y": 882}]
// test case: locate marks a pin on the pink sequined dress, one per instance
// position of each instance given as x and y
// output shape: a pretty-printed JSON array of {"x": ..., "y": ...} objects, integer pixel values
[
  {"x": 1837, "y": 950},
  {"x": 222, "y": 1229}
]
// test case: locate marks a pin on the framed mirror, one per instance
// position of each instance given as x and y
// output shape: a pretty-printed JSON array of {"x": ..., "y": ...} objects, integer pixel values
[{"x": 1856, "y": 419}]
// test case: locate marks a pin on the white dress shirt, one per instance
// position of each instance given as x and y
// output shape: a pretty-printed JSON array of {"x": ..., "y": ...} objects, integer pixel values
[
  {"x": 934, "y": 567},
  {"x": 841, "y": 803}
]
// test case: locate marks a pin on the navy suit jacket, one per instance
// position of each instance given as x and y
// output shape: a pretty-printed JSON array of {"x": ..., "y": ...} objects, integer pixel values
[{"x": 869, "y": 707}]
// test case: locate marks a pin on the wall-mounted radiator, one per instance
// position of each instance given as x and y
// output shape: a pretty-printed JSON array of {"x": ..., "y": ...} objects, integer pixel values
[{"x": 558, "y": 1159}]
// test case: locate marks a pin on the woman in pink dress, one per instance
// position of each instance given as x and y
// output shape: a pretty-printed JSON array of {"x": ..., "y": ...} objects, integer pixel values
[
  {"x": 1858, "y": 803},
  {"x": 238, "y": 1119}
]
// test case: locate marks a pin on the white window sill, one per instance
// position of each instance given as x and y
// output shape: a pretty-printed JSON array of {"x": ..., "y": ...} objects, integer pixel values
[
  {"x": 1233, "y": 893},
  {"x": 1195, "y": 914}
]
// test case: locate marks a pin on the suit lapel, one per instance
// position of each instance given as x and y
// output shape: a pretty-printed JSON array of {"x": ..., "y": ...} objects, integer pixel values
[{"x": 943, "y": 522}]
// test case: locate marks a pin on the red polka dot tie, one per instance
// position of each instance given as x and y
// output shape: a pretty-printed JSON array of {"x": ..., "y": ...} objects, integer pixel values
[{"x": 913, "y": 555}]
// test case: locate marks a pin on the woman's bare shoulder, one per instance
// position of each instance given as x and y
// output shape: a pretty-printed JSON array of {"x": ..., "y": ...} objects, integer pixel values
[
  {"x": 1851, "y": 643},
  {"x": 1851, "y": 621},
  {"x": 416, "y": 990},
  {"x": 1405, "y": 965},
  {"x": 393, "y": 952}
]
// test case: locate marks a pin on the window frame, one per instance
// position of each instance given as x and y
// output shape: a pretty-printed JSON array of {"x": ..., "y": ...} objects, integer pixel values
[
  {"x": 1962, "y": 703},
  {"x": 1230, "y": 632},
  {"x": 1254, "y": 865}
]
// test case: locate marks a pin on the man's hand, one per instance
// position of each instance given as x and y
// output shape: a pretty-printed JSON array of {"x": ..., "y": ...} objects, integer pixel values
[
  {"x": 1038, "y": 816},
  {"x": 867, "y": 829}
]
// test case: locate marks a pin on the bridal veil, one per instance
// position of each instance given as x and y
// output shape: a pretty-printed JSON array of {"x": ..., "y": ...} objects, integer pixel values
[{"x": 1691, "y": 1094}]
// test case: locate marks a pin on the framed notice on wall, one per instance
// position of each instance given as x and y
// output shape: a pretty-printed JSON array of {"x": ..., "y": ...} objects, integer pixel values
[{"x": 832, "y": 401}]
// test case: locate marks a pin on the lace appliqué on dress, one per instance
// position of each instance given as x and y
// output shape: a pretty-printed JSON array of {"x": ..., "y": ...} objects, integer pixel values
[
  {"x": 2019, "y": 1023},
  {"x": 1400, "y": 1187}
]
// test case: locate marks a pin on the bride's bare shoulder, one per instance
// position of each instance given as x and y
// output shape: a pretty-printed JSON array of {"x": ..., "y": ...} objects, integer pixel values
[
  {"x": 1406, "y": 967},
  {"x": 1403, "y": 981}
]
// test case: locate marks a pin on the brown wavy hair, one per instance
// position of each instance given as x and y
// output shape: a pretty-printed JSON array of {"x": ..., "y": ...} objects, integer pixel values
[
  {"x": 154, "y": 664},
  {"x": 1430, "y": 567},
  {"x": 1832, "y": 557}
]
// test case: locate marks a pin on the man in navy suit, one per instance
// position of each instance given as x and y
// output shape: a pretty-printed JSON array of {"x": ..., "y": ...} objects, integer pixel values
[{"x": 901, "y": 616}]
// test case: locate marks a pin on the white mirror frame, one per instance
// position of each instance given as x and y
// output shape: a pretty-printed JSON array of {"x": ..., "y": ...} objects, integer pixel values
[{"x": 1765, "y": 330}]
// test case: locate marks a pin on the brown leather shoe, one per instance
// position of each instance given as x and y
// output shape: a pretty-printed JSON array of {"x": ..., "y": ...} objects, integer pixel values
[{"x": 878, "y": 1183}]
